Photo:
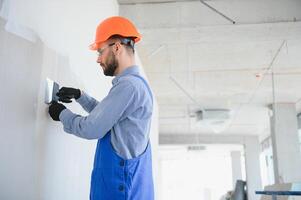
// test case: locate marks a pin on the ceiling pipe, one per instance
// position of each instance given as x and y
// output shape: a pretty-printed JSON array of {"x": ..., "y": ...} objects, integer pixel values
[{"x": 218, "y": 12}]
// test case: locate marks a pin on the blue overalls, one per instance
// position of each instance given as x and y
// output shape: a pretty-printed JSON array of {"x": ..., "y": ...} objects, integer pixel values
[{"x": 115, "y": 178}]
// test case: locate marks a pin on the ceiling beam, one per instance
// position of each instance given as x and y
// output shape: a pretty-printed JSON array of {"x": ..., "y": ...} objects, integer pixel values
[
  {"x": 217, "y": 34},
  {"x": 144, "y": 2},
  {"x": 185, "y": 139},
  {"x": 200, "y": 13}
]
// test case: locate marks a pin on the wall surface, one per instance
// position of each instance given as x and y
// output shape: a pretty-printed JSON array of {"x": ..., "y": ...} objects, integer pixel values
[
  {"x": 20, "y": 70},
  {"x": 38, "y": 40}
]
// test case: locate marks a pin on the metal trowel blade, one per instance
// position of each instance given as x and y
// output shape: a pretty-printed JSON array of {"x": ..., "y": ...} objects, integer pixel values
[{"x": 50, "y": 91}]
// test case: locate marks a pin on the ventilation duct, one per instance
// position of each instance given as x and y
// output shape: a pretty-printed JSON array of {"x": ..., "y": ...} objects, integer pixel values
[
  {"x": 217, "y": 115},
  {"x": 216, "y": 120},
  {"x": 196, "y": 148}
]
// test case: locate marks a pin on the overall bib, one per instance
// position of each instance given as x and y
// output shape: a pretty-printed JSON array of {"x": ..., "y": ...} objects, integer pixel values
[{"x": 115, "y": 178}]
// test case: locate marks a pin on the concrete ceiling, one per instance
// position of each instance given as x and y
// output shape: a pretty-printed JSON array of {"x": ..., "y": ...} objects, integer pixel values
[
  {"x": 131, "y": 2},
  {"x": 196, "y": 58}
]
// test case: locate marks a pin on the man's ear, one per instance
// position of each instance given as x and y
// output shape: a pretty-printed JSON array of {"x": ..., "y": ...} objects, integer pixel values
[{"x": 117, "y": 47}]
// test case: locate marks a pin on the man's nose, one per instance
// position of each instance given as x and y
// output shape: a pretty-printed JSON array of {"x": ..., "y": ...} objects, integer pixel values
[{"x": 98, "y": 59}]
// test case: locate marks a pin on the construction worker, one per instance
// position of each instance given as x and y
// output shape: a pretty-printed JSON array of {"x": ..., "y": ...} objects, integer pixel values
[{"x": 121, "y": 121}]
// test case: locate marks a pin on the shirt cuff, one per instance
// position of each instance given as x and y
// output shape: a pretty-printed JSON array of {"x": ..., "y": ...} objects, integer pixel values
[
  {"x": 65, "y": 117},
  {"x": 82, "y": 99}
]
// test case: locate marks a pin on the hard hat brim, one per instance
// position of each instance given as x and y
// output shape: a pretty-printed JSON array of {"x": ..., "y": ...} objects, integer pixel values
[{"x": 94, "y": 46}]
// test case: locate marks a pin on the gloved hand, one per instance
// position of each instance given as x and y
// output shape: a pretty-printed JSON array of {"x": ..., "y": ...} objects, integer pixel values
[
  {"x": 65, "y": 94},
  {"x": 55, "y": 110}
]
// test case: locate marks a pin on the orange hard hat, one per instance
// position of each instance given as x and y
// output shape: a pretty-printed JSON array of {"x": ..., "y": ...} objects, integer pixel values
[{"x": 114, "y": 26}]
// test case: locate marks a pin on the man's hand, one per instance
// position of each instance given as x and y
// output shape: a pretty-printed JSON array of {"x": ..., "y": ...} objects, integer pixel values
[
  {"x": 55, "y": 110},
  {"x": 65, "y": 94}
]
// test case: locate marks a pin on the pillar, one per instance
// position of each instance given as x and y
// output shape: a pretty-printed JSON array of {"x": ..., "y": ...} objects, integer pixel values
[
  {"x": 236, "y": 166},
  {"x": 252, "y": 151},
  {"x": 285, "y": 143}
]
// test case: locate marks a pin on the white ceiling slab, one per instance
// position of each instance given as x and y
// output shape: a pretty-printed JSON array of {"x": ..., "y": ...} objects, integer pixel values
[
  {"x": 131, "y": 2},
  {"x": 243, "y": 55},
  {"x": 225, "y": 33},
  {"x": 217, "y": 64},
  {"x": 195, "y": 13}
]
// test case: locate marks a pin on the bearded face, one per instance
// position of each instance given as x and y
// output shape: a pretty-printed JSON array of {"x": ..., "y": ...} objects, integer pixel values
[{"x": 111, "y": 64}]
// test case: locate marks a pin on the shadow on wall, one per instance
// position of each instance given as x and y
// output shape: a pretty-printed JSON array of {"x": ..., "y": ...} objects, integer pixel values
[{"x": 38, "y": 159}]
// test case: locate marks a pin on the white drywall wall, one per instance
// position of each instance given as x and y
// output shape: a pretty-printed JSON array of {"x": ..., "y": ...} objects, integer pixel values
[
  {"x": 39, "y": 160},
  {"x": 20, "y": 69}
]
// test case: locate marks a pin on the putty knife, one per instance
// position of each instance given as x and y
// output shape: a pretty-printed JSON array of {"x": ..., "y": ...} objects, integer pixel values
[{"x": 50, "y": 91}]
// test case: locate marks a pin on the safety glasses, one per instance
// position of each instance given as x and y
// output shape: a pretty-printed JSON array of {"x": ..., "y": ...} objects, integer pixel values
[{"x": 100, "y": 51}]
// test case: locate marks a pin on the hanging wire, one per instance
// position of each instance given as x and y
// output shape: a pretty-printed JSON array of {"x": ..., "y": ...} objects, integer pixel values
[
  {"x": 187, "y": 94},
  {"x": 261, "y": 81}
]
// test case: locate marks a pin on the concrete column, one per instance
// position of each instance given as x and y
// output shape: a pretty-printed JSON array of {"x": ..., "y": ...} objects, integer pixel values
[
  {"x": 252, "y": 151},
  {"x": 236, "y": 166},
  {"x": 285, "y": 143}
]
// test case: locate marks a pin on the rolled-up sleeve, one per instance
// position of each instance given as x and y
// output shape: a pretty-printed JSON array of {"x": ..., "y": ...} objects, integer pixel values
[{"x": 104, "y": 115}]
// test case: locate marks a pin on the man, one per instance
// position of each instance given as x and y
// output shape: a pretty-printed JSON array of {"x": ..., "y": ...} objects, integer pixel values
[{"x": 121, "y": 121}]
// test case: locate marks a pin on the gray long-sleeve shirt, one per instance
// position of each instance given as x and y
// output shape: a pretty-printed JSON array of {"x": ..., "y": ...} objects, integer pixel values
[{"x": 126, "y": 111}]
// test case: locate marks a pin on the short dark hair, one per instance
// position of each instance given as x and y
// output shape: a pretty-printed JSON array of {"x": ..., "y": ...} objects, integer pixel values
[{"x": 128, "y": 42}]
